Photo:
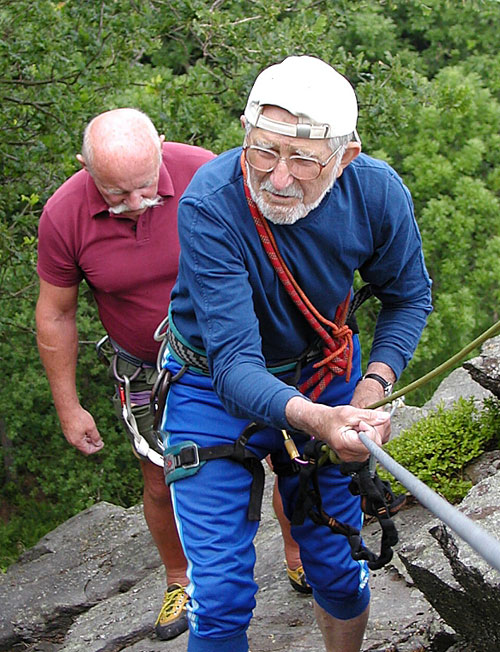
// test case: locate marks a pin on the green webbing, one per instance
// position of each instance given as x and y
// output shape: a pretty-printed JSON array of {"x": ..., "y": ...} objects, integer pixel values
[{"x": 491, "y": 332}]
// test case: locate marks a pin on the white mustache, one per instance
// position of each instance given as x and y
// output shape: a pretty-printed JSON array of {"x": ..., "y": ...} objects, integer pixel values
[
  {"x": 145, "y": 203},
  {"x": 290, "y": 191}
]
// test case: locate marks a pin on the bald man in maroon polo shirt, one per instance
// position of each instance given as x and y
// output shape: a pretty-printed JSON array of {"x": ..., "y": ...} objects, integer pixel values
[{"x": 114, "y": 225}]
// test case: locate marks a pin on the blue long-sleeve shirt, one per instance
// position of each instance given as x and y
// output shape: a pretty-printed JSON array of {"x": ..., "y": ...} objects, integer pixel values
[{"x": 229, "y": 301}]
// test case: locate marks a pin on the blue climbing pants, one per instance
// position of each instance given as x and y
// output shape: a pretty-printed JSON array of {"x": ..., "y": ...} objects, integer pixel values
[{"x": 211, "y": 512}]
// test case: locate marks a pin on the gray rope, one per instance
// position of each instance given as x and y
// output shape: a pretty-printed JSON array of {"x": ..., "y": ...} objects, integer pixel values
[{"x": 477, "y": 537}]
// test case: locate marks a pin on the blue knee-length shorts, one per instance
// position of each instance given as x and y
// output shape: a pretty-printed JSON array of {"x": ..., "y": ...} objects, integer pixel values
[{"x": 217, "y": 537}]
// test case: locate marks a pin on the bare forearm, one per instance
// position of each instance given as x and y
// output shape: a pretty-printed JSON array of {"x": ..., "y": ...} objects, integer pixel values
[
  {"x": 57, "y": 340},
  {"x": 370, "y": 391},
  {"x": 303, "y": 415}
]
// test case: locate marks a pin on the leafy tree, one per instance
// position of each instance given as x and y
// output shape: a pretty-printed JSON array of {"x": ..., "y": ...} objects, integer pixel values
[{"x": 449, "y": 162}]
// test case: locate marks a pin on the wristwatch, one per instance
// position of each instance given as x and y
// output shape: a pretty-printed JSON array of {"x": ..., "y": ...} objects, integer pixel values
[{"x": 385, "y": 383}]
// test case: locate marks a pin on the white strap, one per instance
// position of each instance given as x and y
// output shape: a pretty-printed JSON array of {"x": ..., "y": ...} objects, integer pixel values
[{"x": 300, "y": 130}]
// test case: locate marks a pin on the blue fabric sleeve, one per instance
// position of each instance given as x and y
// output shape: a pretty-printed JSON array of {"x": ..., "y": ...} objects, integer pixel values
[
  {"x": 223, "y": 304},
  {"x": 399, "y": 279}
]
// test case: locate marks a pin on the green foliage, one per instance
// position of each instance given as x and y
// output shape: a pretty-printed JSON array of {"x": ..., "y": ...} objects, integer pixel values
[
  {"x": 427, "y": 76},
  {"x": 60, "y": 63},
  {"x": 445, "y": 32},
  {"x": 438, "y": 448},
  {"x": 447, "y": 163}
]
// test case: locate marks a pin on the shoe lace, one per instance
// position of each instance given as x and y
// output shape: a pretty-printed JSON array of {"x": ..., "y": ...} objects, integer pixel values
[
  {"x": 298, "y": 576},
  {"x": 173, "y": 603}
]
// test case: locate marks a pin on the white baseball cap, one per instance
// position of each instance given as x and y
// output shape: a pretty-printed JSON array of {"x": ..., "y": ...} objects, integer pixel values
[{"x": 322, "y": 99}]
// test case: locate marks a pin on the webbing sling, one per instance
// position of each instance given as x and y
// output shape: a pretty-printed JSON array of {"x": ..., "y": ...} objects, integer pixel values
[{"x": 377, "y": 500}]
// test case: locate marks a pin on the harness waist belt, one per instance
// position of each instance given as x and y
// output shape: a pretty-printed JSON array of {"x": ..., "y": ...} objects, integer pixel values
[
  {"x": 199, "y": 362},
  {"x": 129, "y": 357}
]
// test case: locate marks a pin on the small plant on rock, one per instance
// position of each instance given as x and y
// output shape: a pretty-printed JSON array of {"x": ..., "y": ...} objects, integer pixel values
[{"x": 438, "y": 448}]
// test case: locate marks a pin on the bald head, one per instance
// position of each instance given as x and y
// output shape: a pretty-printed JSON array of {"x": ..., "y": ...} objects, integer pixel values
[
  {"x": 119, "y": 137},
  {"x": 122, "y": 152}
]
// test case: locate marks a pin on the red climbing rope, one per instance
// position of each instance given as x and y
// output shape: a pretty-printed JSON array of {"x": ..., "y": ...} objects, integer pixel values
[{"x": 337, "y": 347}]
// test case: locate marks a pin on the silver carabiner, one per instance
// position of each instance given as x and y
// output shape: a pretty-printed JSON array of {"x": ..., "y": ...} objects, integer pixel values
[{"x": 372, "y": 461}]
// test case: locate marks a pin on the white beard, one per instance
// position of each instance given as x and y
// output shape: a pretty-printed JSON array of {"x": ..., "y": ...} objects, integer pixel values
[{"x": 284, "y": 214}]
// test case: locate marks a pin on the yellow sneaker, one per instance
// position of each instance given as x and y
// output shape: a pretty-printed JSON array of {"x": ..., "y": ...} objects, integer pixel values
[
  {"x": 172, "y": 619},
  {"x": 298, "y": 579}
]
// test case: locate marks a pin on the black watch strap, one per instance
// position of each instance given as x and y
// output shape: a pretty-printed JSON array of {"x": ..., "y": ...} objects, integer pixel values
[{"x": 385, "y": 383}]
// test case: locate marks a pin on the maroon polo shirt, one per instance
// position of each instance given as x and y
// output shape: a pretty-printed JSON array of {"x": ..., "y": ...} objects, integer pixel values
[{"x": 129, "y": 265}]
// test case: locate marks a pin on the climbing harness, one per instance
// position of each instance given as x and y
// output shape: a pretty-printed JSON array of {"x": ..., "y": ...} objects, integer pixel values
[
  {"x": 187, "y": 458},
  {"x": 376, "y": 496},
  {"x": 127, "y": 398}
]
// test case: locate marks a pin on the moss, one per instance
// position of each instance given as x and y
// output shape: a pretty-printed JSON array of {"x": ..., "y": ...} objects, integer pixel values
[{"x": 438, "y": 448}]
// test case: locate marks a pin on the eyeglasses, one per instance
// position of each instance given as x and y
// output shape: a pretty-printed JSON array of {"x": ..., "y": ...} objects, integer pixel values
[{"x": 305, "y": 168}]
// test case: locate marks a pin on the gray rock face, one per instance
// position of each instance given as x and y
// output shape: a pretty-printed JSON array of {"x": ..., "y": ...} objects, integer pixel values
[
  {"x": 95, "y": 584},
  {"x": 456, "y": 581},
  {"x": 101, "y": 552},
  {"x": 460, "y": 383},
  {"x": 485, "y": 369}
]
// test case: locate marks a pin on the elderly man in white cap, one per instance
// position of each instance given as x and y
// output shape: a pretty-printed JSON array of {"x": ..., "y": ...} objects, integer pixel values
[{"x": 261, "y": 358}]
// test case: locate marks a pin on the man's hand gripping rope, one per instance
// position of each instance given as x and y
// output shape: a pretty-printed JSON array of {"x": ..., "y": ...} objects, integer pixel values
[{"x": 376, "y": 496}]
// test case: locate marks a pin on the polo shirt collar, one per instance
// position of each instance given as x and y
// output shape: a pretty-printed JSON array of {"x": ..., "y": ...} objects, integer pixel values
[
  {"x": 165, "y": 183},
  {"x": 97, "y": 204}
]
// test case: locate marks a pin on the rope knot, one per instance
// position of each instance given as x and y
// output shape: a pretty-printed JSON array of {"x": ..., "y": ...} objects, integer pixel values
[{"x": 337, "y": 362}]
